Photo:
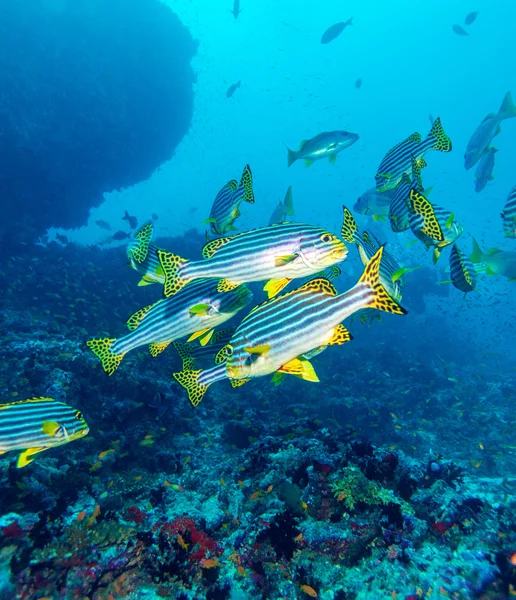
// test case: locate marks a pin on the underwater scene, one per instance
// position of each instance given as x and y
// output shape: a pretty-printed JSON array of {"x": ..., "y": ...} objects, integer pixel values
[{"x": 257, "y": 276}]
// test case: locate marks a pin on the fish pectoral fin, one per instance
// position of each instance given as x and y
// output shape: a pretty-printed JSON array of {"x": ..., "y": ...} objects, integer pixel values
[
  {"x": 377, "y": 218},
  {"x": 301, "y": 368},
  {"x": 134, "y": 320},
  {"x": 333, "y": 158},
  {"x": 279, "y": 261},
  {"x": 198, "y": 334},
  {"x": 274, "y": 286},
  {"x": 145, "y": 280},
  {"x": 308, "y": 162},
  {"x": 209, "y": 220},
  {"x": 278, "y": 378},
  {"x": 259, "y": 350},
  {"x": 201, "y": 309},
  {"x": 206, "y": 338},
  {"x": 26, "y": 457},
  {"x": 339, "y": 336},
  {"x": 436, "y": 254},
  {"x": 50, "y": 428},
  {"x": 320, "y": 285},
  {"x": 489, "y": 271},
  {"x": 157, "y": 348},
  {"x": 224, "y": 285},
  {"x": 238, "y": 382}
]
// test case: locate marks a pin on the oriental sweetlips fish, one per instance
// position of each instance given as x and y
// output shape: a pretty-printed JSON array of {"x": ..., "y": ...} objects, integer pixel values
[
  {"x": 487, "y": 130},
  {"x": 278, "y": 253},
  {"x": 284, "y": 209},
  {"x": 278, "y": 334},
  {"x": 143, "y": 257},
  {"x": 462, "y": 271},
  {"x": 399, "y": 210},
  {"x": 225, "y": 208},
  {"x": 324, "y": 145},
  {"x": 195, "y": 311},
  {"x": 494, "y": 261},
  {"x": 398, "y": 159},
  {"x": 374, "y": 204},
  {"x": 38, "y": 424},
  {"x": 433, "y": 225},
  {"x": 191, "y": 353},
  {"x": 509, "y": 214}
]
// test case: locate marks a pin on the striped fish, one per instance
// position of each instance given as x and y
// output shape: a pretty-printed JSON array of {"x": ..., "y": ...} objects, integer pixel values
[
  {"x": 143, "y": 257},
  {"x": 284, "y": 209},
  {"x": 196, "y": 310},
  {"x": 191, "y": 353},
  {"x": 433, "y": 225},
  {"x": 398, "y": 159},
  {"x": 277, "y": 335},
  {"x": 399, "y": 211},
  {"x": 225, "y": 208},
  {"x": 509, "y": 214},
  {"x": 278, "y": 253},
  {"x": 462, "y": 271},
  {"x": 37, "y": 424}
]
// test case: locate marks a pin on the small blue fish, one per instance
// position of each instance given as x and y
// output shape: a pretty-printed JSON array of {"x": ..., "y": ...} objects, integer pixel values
[
  {"x": 484, "y": 172},
  {"x": 335, "y": 30}
]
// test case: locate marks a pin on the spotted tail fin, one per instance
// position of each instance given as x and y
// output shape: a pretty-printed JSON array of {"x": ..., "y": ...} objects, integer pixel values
[
  {"x": 442, "y": 141},
  {"x": 139, "y": 247},
  {"x": 102, "y": 348},
  {"x": 171, "y": 265},
  {"x": 380, "y": 298},
  {"x": 185, "y": 354},
  {"x": 349, "y": 230},
  {"x": 246, "y": 181}
]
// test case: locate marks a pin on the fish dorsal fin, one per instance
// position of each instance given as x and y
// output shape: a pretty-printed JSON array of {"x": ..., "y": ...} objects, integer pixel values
[
  {"x": 424, "y": 208},
  {"x": 232, "y": 185},
  {"x": 211, "y": 248},
  {"x": 134, "y": 320},
  {"x": 221, "y": 334},
  {"x": 349, "y": 227},
  {"x": 35, "y": 399},
  {"x": 320, "y": 285},
  {"x": 414, "y": 138}
]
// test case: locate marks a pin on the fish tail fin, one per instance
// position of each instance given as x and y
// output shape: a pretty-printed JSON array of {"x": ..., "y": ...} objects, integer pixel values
[
  {"x": 139, "y": 247},
  {"x": 442, "y": 141},
  {"x": 291, "y": 156},
  {"x": 171, "y": 265},
  {"x": 349, "y": 229},
  {"x": 477, "y": 256},
  {"x": 103, "y": 349},
  {"x": 189, "y": 379},
  {"x": 288, "y": 203},
  {"x": 508, "y": 108},
  {"x": 246, "y": 181},
  {"x": 380, "y": 299}
]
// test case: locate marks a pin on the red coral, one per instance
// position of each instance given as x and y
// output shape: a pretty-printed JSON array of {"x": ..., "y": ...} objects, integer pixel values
[
  {"x": 136, "y": 515},
  {"x": 441, "y": 526},
  {"x": 199, "y": 540},
  {"x": 13, "y": 530}
]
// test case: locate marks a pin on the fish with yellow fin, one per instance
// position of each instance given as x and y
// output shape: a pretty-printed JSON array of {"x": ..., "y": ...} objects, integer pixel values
[
  {"x": 276, "y": 334},
  {"x": 38, "y": 424},
  {"x": 195, "y": 311},
  {"x": 494, "y": 261}
]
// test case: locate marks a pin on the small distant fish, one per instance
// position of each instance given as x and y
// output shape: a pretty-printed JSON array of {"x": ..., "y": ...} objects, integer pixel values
[
  {"x": 232, "y": 89},
  {"x": 374, "y": 204},
  {"x": 309, "y": 591},
  {"x": 226, "y": 206},
  {"x": 284, "y": 209},
  {"x": 462, "y": 272},
  {"x": 120, "y": 235},
  {"x": 160, "y": 403},
  {"x": 38, "y": 424},
  {"x": 358, "y": 83},
  {"x": 143, "y": 256},
  {"x": 398, "y": 159},
  {"x": 459, "y": 30},
  {"x": 509, "y": 214},
  {"x": 323, "y": 145},
  {"x": 154, "y": 217},
  {"x": 471, "y": 18},
  {"x": 335, "y": 30},
  {"x": 484, "y": 134},
  {"x": 494, "y": 261},
  {"x": 133, "y": 221},
  {"x": 435, "y": 226},
  {"x": 236, "y": 8},
  {"x": 484, "y": 172},
  {"x": 103, "y": 224}
]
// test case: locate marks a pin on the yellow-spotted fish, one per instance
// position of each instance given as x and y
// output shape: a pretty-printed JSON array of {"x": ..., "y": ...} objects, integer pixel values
[
  {"x": 398, "y": 159},
  {"x": 494, "y": 261},
  {"x": 195, "y": 311},
  {"x": 435, "y": 226},
  {"x": 284, "y": 209},
  {"x": 509, "y": 214},
  {"x": 278, "y": 253},
  {"x": 399, "y": 209},
  {"x": 38, "y": 424},
  {"x": 143, "y": 257},
  {"x": 225, "y": 209},
  {"x": 277, "y": 335}
]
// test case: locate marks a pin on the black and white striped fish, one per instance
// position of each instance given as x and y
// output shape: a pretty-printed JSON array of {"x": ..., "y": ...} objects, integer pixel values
[
  {"x": 143, "y": 257},
  {"x": 398, "y": 159},
  {"x": 278, "y": 253},
  {"x": 435, "y": 226},
  {"x": 399, "y": 210},
  {"x": 196, "y": 310},
  {"x": 462, "y": 271},
  {"x": 38, "y": 424},
  {"x": 225, "y": 208},
  {"x": 509, "y": 214},
  {"x": 277, "y": 335}
]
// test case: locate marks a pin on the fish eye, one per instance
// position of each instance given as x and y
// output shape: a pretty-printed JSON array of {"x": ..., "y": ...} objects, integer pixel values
[
  {"x": 78, "y": 415},
  {"x": 326, "y": 238}
]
